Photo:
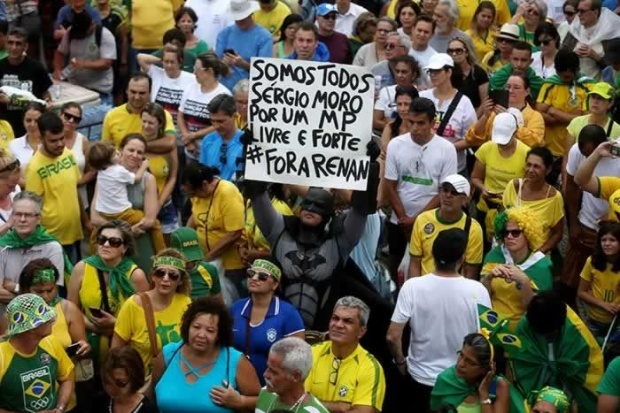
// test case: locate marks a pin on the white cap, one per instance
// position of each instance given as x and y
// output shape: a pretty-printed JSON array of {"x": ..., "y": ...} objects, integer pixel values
[
  {"x": 504, "y": 126},
  {"x": 518, "y": 114},
  {"x": 460, "y": 184},
  {"x": 439, "y": 61}
]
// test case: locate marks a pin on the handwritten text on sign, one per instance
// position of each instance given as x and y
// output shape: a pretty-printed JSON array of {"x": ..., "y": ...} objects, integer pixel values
[{"x": 311, "y": 123}]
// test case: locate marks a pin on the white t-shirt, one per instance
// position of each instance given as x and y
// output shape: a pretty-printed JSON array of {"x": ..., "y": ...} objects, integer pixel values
[
  {"x": 212, "y": 18},
  {"x": 463, "y": 117},
  {"x": 422, "y": 57},
  {"x": 344, "y": 22},
  {"x": 112, "y": 184},
  {"x": 194, "y": 105},
  {"x": 441, "y": 312},
  {"x": 22, "y": 151},
  {"x": 418, "y": 170},
  {"x": 167, "y": 91},
  {"x": 592, "y": 209},
  {"x": 387, "y": 101},
  {"x": 537, "y": 65}
]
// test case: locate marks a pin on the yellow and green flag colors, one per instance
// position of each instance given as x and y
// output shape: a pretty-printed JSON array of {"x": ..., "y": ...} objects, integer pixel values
[
  {"x": 499, "y": 329},
  {"x": 571, "y": 361}
]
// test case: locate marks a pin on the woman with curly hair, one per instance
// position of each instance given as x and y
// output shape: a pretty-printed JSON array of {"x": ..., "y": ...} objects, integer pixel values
[{"x": 515, "y": 269}]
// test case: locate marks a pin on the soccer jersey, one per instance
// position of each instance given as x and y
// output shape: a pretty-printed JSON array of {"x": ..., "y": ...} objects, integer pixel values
[
  {"x": 120, "y": 122},
  {"x": 358, "y": 378},
  {"x": 607, "y": 185},
  {"x": 205, "y": 281},
  {"x": 426, "y": 228},
  {"x": 268, "y": 402},
  {"x": 29, "y": 382},
  {"x": 604, "y": 285}
]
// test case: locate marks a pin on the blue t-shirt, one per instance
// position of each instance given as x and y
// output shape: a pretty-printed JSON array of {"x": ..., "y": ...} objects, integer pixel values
[
  {"x": 281, "y": 320},
  {"x": 175, "y": 395},
  {"x": 211, "y": 154},
  {"x": 65, "y": 16},
  {"x": 254, "y": 42}
]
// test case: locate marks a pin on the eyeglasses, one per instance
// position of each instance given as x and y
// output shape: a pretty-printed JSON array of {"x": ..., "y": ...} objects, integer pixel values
[
  {"x": 469, "y": 362},
  {"x": 114, "y": 242},
  {"x": 262, "y": 276},
  {"x": 27, "y": 215},
  {"x": 450, "y": 190},
  {"x": 456, "y": 51},
  {"x": 330, "y": 16},
  {"x": 223, "y": 153},
  {"x": 10, "y": 167},
  {"x": 73, "y": 118},
  {"x": 333, "y": 376},
  {"x": 390, "y": 46},
  {"x": 583, "y": 11},
  {"x": 162, "y": 272},
  {"x": 513, "y": 233}
]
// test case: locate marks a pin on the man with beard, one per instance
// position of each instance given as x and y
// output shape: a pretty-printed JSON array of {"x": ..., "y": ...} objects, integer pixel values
[{"x": 90, "y": 50}]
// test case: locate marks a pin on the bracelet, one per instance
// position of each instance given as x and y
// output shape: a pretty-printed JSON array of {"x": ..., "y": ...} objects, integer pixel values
[{"x": 60, "y": 408}]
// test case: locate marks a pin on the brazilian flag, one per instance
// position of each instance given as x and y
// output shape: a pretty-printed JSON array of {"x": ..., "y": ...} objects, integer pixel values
[{"x": 572, "y": 362}]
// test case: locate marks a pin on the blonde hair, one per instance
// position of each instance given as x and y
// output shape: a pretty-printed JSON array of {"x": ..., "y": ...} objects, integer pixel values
[
  {"x": 184, "y": 286},
  {"x": 7, "y": 159},
  {"x": 527, "y": 220}
]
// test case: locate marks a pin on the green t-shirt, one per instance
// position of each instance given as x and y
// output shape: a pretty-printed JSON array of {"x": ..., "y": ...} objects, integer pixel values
[
  {"x": 188, "y": 60},
  {"x": 268, "y": 402},
  {"x": 205, "y": 281},
  {"x": 3, "y": 53},
  {"x": 199, "y": 48},
  {"x": 610, "y": 385}
]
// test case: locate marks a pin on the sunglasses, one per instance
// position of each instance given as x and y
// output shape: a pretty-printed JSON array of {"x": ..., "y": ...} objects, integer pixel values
[
  {"x": 330, "y": 16},
  {"x": 73, "y": 118},
  {"x": 162, "y": 272},
  {"x": 570, "y": 13},
  {"x": 333, "y": 376},
  {"x": 10, "y": 167},
  {"x": 456, "y": 51},
  {"x": 262, "y": 276},
  {"x": 390, "y": 46},
  {"x": 583, "y": 11},
  {"x": 513, "y": 233},
  {"x": 114, "y": 242},
  {"x": 223, "y": 153},
  {"x": 545, "y": 42}
]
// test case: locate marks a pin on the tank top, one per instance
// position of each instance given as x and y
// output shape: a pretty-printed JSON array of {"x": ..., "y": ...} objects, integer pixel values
[
  {"x": 175, "y": 394},
  {"x": 90, "y": 293},
  {"x": 281, "y": 53},
  {"x": 159, "y": 168},
  {"x": 60, "y": 329}
]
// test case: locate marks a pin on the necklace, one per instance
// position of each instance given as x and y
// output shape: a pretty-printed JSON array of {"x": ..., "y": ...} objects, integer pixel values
[{"x": 294, "y": 408}]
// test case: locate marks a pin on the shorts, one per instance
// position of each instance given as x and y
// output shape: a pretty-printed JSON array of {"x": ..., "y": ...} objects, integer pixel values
[{"x": 168, "y": 217}]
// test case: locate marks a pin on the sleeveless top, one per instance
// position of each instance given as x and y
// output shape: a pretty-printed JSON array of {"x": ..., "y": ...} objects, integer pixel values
[
  {"x": 281, "y": 53},
  {"x": 60, "y": 329},
  {"x": 175, "y": 395},
  {"x": 90, "y": 293}
]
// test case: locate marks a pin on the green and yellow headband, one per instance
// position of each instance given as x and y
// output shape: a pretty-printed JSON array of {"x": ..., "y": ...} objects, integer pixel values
[
  {"x": 44, "y": 276},
  {"x": 554, "y": 396},
  {"x": 268, "y": 266},
  {"x": 177, "y": 263}
]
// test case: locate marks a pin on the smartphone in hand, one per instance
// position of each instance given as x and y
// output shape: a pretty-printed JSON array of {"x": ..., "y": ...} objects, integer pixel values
[{"x": 96, "y": 312}]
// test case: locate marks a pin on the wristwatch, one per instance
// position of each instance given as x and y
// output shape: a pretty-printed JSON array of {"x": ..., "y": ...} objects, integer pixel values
[
  {"x": 487, "y": 401},
  {"x": 16, "y": 288}
]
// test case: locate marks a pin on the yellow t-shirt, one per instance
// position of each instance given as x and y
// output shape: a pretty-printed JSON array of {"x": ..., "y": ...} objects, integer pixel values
[
  {"x": 150, "y": 19},
  {"x": 532, "y": 132},
  {"x": 359, "y": 379},
  {"x": 6, "y": 135},
  {"x": 60, "y": 329},
  {"x": 467, "y": 8},
  {"x": 272, "y": 20},
  {"x": 252, "y": 233},
  {"x": 33, "y": 379},
  {"x": 120, "y": 122},
  {"x": 499, "y": 170},
  {"x": 604, "y": 285},
  {"x": 559, "y": 97},
  {"x": 492, "y": 68},
  {"x": 55, "y": 179},
  {"x": 580, "y": 122},
  {"x": 426, "y": 228},
  {"x": 607, "y": 185},
  {"x": 131, "y": 326},
  {"x": 159, "y": 168},
  {"x": 549, "y": 210},
  {"x": 482, "y": 46},
  {"x": 218, "y": 215}
]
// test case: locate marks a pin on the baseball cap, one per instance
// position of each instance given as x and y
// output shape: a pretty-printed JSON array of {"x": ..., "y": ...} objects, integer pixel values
[
  {"x": 185, "y": 240},
  {"x": 439, "y": 61},
  {"x": 325, "y": 9},
  {"x": 504, "y": 127},
  {"x": 614, "y": 201},
  {"x": 604, "y": 90},
  {"x": 518, "y": 115},
  {"x": 449, "y": 246},
  {"x": 612, "y": 51},
  {"x": 458, "y": 182},
  {"x": 27, "y": 312}
]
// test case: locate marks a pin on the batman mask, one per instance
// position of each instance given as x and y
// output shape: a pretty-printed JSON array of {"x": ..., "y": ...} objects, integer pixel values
[{"x": 320, "y": 202}]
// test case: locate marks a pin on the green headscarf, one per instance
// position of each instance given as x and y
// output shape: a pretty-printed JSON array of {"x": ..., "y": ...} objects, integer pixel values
[
  {"x": 38, "y": 237},
  {"x": 554, "y": 396},
  {"x": 117, "y": 279}
]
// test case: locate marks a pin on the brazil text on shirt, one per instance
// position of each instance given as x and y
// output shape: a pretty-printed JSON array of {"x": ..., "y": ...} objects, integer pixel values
[
  {"x": 54, "y": 168},
  {"x": 417, "y": 180}
]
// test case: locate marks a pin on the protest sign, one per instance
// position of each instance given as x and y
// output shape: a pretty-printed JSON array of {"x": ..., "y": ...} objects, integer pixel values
[{"x": 311, "y": 123}]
